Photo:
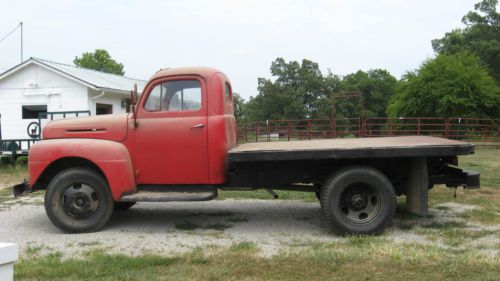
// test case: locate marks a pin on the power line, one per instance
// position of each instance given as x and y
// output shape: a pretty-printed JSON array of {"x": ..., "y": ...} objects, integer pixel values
[
  {"x": 5, "y": 37},
  {"x": 20, "y": 26}
]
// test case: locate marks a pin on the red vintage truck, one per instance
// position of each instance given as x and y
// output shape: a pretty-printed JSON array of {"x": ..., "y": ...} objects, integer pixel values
[{"x": 179, "y": 144}]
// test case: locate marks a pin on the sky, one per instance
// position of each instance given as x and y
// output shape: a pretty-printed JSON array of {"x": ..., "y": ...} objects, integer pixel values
[{"x": 241, "y": 38}]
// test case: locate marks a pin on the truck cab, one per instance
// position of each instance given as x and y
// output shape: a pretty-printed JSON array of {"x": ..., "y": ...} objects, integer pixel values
[{"x": 179, "y": 144}]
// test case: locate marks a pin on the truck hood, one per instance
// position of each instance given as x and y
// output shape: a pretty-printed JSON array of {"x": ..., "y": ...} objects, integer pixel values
[{"x": 106, "y": 127}]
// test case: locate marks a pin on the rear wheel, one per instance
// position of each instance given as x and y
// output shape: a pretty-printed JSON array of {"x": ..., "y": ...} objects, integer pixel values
[
  {"x": 78, "y": 200},
  {"x": 358, "y": 200}
]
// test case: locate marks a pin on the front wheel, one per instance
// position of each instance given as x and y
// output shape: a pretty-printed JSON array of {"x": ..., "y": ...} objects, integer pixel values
[
  {"x": 78, "y": 200},
  {"x": 358, "y": 200}
]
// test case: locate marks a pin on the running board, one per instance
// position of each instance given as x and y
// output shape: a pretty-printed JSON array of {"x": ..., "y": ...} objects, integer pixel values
[{"x": 158, "y": 196}]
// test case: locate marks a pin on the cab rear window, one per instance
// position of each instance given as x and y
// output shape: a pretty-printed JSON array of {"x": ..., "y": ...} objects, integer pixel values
[{"x": 227, "y": 93}]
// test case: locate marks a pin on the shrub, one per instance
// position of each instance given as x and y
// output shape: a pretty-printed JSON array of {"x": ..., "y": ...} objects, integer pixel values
[
  {"x": 22, "y": 161},
  {"x": 5, "y": 161}
]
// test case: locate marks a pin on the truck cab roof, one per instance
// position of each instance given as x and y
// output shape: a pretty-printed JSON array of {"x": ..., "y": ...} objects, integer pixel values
[{"x": 205, "y": 72}]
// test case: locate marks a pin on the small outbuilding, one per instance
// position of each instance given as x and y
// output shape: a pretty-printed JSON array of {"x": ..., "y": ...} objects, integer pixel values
[{"x": 40, "y": 86}]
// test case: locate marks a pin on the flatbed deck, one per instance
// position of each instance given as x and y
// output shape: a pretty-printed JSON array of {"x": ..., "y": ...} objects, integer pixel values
[{"x": 377, "y": 147}]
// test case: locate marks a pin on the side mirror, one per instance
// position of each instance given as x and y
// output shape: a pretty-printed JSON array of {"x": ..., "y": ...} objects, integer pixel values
[
  {"x": 133, "y": 95},
  {"x": 133, "y": 101}
]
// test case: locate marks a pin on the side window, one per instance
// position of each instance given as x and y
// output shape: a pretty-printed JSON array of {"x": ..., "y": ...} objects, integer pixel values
[
  {"x": 227, "y": 93},
  {"x": 153, "y": 102},
  {"x": 179, "y": 95}
]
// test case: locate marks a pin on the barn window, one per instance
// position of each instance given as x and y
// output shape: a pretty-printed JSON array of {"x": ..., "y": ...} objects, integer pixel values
[
  {"x": 32, "y": 111},
  {"x": 102, "y": 108}
]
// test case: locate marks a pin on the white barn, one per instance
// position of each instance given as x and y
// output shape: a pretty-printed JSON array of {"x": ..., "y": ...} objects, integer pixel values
[{"x": 36, "y": 86}]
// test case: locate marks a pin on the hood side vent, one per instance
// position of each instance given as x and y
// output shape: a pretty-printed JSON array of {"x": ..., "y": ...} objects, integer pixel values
[{"x": 85, "y": 130}]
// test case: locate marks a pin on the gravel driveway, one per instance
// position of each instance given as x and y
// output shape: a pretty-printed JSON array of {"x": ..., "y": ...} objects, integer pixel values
[{"x": 169, "y": 228}]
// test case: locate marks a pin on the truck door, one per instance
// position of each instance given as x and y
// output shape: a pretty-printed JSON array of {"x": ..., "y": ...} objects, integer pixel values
[{"x": 171, "y": 133}]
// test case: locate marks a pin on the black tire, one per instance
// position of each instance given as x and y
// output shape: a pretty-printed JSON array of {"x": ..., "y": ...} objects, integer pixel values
[
  {"x": 358, "y": 200},
  {"x": 123, "y": 206},
  {"x": 78, "y": 200}
]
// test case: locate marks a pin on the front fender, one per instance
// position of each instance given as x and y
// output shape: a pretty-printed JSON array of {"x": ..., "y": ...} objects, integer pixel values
[{"x": 111, "y": 157}]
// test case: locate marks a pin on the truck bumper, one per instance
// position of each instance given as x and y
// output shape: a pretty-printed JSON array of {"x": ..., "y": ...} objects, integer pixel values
[
  {"x": 21, "y": 189},
  {"x": 454, "y": 177}
]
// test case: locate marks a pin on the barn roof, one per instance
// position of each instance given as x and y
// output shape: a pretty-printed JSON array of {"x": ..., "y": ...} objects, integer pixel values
[{"x": 94, "y": 79}]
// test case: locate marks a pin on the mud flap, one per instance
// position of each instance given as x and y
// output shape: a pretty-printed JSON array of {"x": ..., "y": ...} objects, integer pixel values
[{"x": 21, "y": 189}]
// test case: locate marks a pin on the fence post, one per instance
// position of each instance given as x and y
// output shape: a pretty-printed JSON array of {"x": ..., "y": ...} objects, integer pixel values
[
  {"x": 267, "y": 129},
  {"x": 308, "y": 129},
  {"x": 289, "y": 130},
  {"x": 447, "y": 127},
  {"x": 418, "y": 126},
  {"x": 257, "y": 132},
  {"x": 331, "y": 128},
  {"x": 14, "y": 150},
  {"x": 246, "y": 132},
  {"x": 362, "y": 126}
]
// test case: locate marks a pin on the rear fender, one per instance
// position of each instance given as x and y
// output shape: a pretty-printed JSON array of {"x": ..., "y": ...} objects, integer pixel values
[{"x": 112, "y": 158}]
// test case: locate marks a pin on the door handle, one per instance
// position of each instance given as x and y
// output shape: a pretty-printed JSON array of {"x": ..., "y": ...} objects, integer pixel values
[{"x": 198, "y": 126}]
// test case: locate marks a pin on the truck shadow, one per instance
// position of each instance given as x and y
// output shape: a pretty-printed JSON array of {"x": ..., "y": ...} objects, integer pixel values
[{"x": 268, "y": 215}]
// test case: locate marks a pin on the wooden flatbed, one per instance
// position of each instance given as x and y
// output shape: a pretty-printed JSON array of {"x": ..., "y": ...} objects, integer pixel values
[{"x": 377, "y": 147}]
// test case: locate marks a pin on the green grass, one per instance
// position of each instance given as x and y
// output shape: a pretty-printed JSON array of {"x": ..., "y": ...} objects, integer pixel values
[
  {"x": 10, "y": 175},
  {"x": 263, "y": 194},
  {"x": 187, "y": 225},
  {"x": 217, "y": 226},
  {"x": 237, "y": 219},
  {"x": 33, "y": 250},
  {"x": 5, "y": 195},
  {"x": 445, "y": 225},
  {"x": 361, "y": 258},
  {"x": 89, "y": 244}
]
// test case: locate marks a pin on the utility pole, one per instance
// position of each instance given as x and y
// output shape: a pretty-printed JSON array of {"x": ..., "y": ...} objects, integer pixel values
[{"x": 21, "y": 24}]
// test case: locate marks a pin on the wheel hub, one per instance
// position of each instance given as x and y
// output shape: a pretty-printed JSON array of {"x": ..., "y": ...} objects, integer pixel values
[
  {"x": 79, "y": 201},
  {"x": 359, "y": 201}
]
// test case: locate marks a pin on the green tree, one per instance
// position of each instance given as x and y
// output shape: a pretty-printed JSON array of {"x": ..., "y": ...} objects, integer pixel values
[
  {"x": 481, "y": 36},
  {"x": 331, "y": 85},
  {"x": 239, "y": 107},
  {"x": 456, "y": 85},
  {"x": 377, "y": 85},
  {"x": 99, "y": 60},
  {"x": 300, "y": 90},
  {"x": 295, "y": 92}
]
